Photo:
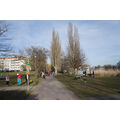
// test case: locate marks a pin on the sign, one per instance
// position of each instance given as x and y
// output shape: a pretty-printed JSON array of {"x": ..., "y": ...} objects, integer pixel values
[
  {"x": 28, "y": 67},
  {"x": 28, "y": 61},
  {"x": 27, "y": 73}
]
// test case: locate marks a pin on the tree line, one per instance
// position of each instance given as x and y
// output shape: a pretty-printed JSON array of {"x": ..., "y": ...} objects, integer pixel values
[
  {"x": 109, "y": 66},
  {"x": 73, "y": 58}
]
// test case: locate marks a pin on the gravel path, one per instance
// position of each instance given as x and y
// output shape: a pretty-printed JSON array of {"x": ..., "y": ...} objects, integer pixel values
[{"x": 51, "y": 89}]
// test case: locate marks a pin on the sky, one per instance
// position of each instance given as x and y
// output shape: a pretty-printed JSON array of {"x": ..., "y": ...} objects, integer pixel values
[{"x": 100, "y": 40}]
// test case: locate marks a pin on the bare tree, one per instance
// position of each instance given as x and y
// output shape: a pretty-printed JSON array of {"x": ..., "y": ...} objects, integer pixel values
[
  {"x": 76, "y": 57},
  {"x": 64, "y": 64},
  {"x": 4, "y": 40},
  {"x": 38, "y": 57},
  {"x": 55, "y": 51},
  {"x": 118, "y": 65}
]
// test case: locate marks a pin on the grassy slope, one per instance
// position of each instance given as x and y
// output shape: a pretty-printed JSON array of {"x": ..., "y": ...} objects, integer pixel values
[
  {"x": 13, "y": 79},
  {"x": 97, "y": 88},
  {"x": 15, "y": 94}
]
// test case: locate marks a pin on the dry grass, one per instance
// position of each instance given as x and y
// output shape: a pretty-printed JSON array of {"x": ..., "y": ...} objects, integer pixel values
[
  {"x": 102, "y": 73},
  {"x": 98, "y": 88}
]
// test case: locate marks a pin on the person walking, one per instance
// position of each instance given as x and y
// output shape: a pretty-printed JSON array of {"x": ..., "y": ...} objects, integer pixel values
[
  {"x": 85, "y": 73},
  {"x": 26, "y": 78},
  {"x": 48, "y": 73},
  {"x": 39, "y": 74},
  {"x": 43, "y": 75},
  {"x": 7, "y": 79},
  {"x": 53, "y": 74}
]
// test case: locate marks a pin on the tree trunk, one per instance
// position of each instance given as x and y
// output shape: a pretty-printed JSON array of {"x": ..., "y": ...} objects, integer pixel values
[{"x": 56, "y": 70}]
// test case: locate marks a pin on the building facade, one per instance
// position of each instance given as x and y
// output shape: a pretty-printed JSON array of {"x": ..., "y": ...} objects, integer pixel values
[{"x": 14, "y": 63}]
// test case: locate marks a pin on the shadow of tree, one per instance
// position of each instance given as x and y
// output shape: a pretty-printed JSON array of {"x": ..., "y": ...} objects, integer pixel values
[{"x": 14, "y": 95}]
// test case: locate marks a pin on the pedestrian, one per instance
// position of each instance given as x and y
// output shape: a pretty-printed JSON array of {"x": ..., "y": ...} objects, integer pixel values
[
  {"x": 85, "y": 73},
  {"x": 53, "y": 73},
  {"x": 7, "y": 79},
  {"x": 26, "y": 78},
  {"x": 18, "y": 79},
  {"x": 48, "y": 73},
  {"x": 90, "y": 74},
  {"x": 43, "y": 75},
  {"x": 0, "y": 75},
  {"x": 39, "y": 74}
]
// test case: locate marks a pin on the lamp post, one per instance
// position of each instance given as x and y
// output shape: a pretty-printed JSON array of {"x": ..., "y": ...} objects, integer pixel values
[
  {"x": 35, "y": 69},
  {"x": 27, "y": 71}
]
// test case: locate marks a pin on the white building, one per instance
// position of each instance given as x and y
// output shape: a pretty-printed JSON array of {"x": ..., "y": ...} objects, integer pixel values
[{"x": 12, "y": 63}]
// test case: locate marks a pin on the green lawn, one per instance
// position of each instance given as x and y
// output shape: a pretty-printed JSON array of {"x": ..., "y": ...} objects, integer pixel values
[
  {"x": 14, "y": 95},
  {"x": 97, "y": 88},
  {"x": 13, "y": 79}
]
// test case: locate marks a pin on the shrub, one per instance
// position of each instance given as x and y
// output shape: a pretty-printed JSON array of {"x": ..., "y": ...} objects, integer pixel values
[{"x": 102, "y": 73}]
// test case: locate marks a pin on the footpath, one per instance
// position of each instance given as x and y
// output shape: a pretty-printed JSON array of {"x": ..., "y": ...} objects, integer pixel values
[{"x": 51, "y": 89}]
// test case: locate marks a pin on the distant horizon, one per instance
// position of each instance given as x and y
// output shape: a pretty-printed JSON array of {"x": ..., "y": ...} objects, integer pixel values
[{"x": 99, "y": 39}]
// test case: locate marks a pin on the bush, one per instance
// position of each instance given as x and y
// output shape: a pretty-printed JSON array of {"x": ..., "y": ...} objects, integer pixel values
[{"x": 102, "y": 73}]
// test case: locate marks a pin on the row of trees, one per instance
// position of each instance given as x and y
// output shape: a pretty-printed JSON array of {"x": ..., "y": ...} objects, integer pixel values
[
  {"x": 109, "y": 66},
  {"x": 74, "y": 58}
]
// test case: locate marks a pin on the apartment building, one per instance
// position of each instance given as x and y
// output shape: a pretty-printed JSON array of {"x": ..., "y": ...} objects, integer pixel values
[{"x": 12, "y": 63}]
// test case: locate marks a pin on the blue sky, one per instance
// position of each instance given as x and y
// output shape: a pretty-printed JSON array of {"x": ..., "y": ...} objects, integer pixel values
[{"x": 100, "y": 40}]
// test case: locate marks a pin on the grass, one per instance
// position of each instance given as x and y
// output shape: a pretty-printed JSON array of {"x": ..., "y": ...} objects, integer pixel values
[
  {"x": 13, "y": 79},
  {"x": 14, "y": 95},
  {"x": 93, "y": 88},
  {"x": 103, "y": 73}
]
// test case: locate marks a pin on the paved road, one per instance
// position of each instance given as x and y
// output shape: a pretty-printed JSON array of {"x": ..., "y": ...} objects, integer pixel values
[{"x": 51, "y": 89}]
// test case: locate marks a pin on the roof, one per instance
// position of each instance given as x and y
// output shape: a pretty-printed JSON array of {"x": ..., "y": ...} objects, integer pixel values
[{"x": 13, "y": 57}]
